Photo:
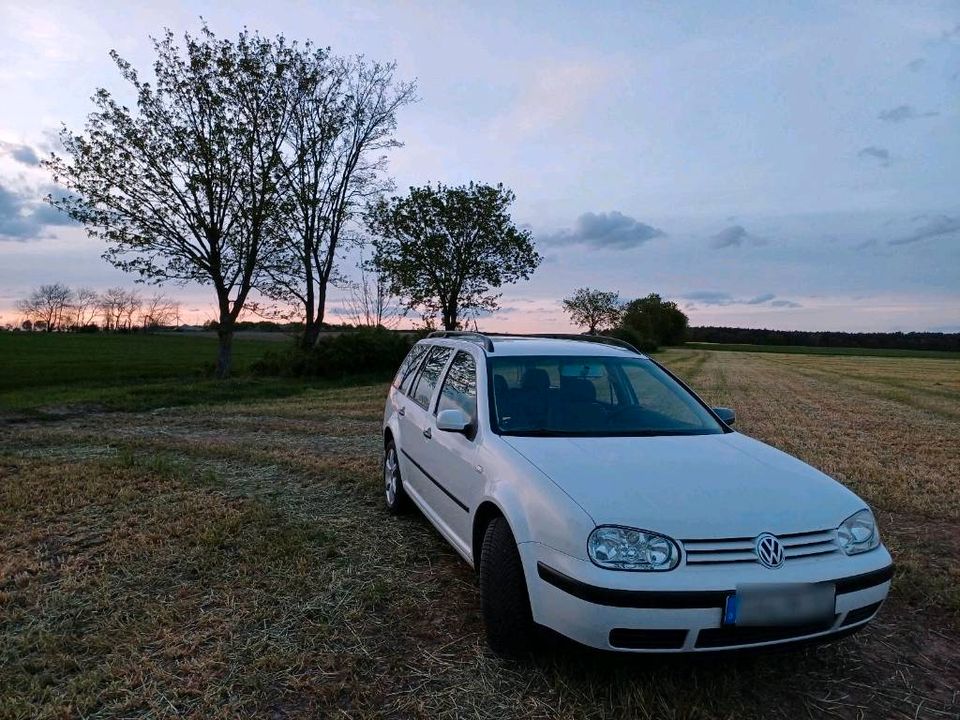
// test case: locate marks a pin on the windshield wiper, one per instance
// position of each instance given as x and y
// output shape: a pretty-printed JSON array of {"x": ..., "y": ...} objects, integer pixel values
[
  {"x": 545, "y": 432},
  {"x": 539, "y": 432}
]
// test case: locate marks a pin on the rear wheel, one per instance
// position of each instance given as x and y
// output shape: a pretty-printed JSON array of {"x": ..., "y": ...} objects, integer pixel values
[
  {"x": 503, "y": 593},
  {"x": 396, "y": 499}
]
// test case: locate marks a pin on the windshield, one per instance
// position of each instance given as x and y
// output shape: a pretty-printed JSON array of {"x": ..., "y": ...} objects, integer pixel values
[{"x": 592, "y": 396}]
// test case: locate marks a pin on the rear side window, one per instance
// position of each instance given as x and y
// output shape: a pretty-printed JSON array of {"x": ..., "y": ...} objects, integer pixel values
[
  {"x": 460, "y": 386},
  {"x": 409, "y": 365},
  {"x": 429, "y": 375}
]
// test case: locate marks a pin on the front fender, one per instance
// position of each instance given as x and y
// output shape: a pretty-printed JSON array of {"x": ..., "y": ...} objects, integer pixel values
[{"x": 535, "y": 507}]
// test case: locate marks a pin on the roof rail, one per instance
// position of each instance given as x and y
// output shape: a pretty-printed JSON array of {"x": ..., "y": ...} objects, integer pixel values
[
  {"x": 487, "y": 338},
  {"x": 466, "y": 335},
  {"x": 584, "y": 337}
]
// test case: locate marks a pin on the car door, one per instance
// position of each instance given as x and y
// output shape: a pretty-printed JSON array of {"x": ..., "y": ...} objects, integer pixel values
[
  {"x": 416, "y": 427},
  {"x": 453, "y": 456}
]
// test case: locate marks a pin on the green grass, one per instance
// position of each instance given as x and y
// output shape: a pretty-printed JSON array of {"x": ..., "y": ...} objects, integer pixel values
[
  {"x": 62, "y": 373},
  {"x": 44, "y": 359},
  {"x": 808, "y": 350}
]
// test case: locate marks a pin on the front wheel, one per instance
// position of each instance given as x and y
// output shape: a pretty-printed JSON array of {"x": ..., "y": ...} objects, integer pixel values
[
  {"x": 394, "y": 495},
  {"x": 503, "y": 593}
]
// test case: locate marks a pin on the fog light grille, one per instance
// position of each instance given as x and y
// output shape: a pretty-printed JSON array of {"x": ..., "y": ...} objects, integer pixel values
[{"x": 647, "y": 639}]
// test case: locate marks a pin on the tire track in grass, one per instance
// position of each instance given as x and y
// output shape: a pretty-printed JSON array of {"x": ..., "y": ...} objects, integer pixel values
[{"x": 931, "y": 386}]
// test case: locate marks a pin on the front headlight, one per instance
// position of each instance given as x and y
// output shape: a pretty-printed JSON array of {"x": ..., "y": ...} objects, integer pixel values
[
  {"x": 858, "y": 533},
  {"x": 622, "y": 548}
]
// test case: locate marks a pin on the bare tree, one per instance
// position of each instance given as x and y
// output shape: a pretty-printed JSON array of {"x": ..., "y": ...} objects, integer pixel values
[
  {"x": 370, "y": 302},
  {"x": 158, "y": 311},
  {"x": 130, "y": 308},
  {"x": 333, "y": 168},
  {"x": 84, "y": 306},
  {"x": 29, "y": 308},
  {"x": 48, "y": 305},
  {"x": 111, "y": 305}
]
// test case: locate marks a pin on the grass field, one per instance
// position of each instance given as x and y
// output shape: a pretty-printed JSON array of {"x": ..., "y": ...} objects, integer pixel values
[
  {"x": 66, "y": 372},
  {"x": 224, "y": 559},
  {"x": 808, "y": 350}
]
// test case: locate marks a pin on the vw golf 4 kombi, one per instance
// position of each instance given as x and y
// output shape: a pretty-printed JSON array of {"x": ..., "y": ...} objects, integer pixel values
[{"x": 598, "y": 496}]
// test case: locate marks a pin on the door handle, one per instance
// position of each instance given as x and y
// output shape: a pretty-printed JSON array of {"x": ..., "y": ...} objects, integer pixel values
[
  {"x": 428, "y": 433},
  {"x": 402, "y": 411}
]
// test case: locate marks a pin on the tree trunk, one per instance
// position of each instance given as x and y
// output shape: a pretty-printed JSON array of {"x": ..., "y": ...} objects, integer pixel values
[
  {"x": 450, "y": 318},
  {"x": 314, "y": 321},
  {"x": 311, "y": 331},
  {"x": 225, "y": 353}
]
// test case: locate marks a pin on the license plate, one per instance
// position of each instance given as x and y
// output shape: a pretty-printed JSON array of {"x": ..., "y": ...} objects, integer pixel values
[{"x": 773, "y": 604}]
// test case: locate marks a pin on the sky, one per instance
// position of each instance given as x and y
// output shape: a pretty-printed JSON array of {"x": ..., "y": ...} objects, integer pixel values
[{"x": 787, "y": 165}]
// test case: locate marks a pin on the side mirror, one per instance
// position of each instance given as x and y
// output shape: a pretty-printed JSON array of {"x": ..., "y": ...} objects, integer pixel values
[
  {"x": 726, "y": 414},
  {"x": 453, "y": 420}
]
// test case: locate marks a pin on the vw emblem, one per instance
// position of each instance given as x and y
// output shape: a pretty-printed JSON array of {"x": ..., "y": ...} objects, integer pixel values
[{"x": 769, "y": 551}]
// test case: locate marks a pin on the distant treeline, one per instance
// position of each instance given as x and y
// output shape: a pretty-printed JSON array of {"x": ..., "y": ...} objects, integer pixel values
[{"x": 892, "y": 340}]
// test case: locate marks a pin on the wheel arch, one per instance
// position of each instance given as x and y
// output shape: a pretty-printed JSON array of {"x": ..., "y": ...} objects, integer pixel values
[{"x": 485, "y": 512}]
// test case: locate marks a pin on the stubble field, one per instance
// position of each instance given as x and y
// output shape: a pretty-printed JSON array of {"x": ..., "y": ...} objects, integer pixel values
[{"x": 215, "y": 560}]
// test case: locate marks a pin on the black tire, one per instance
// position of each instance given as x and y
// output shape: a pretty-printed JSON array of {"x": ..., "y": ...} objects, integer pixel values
[
  {"x": 396, "y": 499},
  {"x": 503, "y": 593}
]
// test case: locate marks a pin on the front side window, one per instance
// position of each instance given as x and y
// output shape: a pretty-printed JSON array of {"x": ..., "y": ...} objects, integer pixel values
[
  {"x": 429, "y": 375},
  {"x": 459, "y": 389},
  {"x": 409, "y": 366},
  {"x": 592, "y": 396}
]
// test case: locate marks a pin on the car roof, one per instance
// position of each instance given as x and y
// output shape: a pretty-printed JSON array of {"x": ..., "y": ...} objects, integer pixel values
[{"x": 520, "y": 345}]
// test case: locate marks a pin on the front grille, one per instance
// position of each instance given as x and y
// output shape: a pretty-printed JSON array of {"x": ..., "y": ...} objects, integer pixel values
[
  {"x": 647, "y": 639},
  {"x": 733, "y": 635},
  {"x": 741, "y": 550}
]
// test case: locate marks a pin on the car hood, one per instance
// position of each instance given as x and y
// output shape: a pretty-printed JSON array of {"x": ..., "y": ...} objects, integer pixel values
[{"x": 691, "y": 486}]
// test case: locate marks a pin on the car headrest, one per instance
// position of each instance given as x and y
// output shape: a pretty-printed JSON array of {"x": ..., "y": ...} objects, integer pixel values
[
  {"x": 579, "y": 390},
  {"x": 535, "y": 379},
  {"x": 500, "y": 387}
]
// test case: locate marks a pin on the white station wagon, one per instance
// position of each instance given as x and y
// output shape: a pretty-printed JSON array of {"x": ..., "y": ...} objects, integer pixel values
[{"x": 599, "y": 496}]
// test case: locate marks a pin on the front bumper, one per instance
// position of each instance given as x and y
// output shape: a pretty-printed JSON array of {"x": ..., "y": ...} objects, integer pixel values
[{"x": 682, "y": 610}]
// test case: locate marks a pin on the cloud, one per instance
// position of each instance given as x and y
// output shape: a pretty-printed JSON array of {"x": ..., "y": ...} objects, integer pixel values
[
  {"x": 613, "y": 231},
  {"x": 902, "y": 113},
  {"x": 717, "y": 298},
  {"x": 935, "y": 227},
  {"x": 709, "y": 297},
  {"x": 877, "y": 153},
  {"x": 734, "y": 236},
  {"x": 21, "y": 153},
  {"x": 863, "y": 245},
  {"x": 916, "y": 65},
  {"x": 24, "y": 216}
]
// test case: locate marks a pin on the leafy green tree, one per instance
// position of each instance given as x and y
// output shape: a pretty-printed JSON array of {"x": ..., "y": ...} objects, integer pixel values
[
  {"x": 185, "y": 187},
  {"x": 445, "y": 250},
  {"x": 593, "y": 309},
  {"x": 656, "y": 318}
]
